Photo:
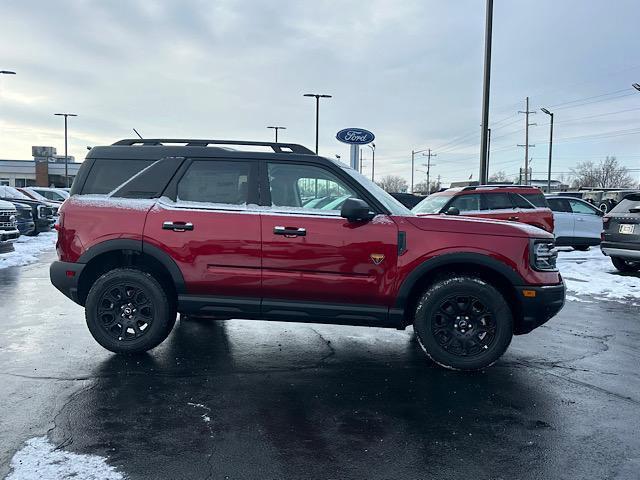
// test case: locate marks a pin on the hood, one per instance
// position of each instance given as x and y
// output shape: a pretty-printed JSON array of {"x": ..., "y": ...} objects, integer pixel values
[
  {"x": 4, "y": 205},
  {"x": 23, "y": 201},
  {"x": 22, "y": 206},
  {"x": 477, "y": 226}
]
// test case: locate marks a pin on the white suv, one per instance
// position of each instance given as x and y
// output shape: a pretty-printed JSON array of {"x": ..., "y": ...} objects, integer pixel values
[{"x": 577, "y": 223}]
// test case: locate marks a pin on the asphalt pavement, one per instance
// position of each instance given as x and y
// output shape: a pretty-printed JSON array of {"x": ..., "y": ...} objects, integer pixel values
[{"x": 257, "y": 400}]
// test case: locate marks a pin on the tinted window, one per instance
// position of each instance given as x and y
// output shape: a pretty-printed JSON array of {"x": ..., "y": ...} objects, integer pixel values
[
  {"x": 466, "y": 203},
  {"x": 559, "y": 204},
  {"x": 519, "y": 201},
  {"x": 579, "y": 207},
  {"x": 105, "y": 175},
  {"x": 432, "y": 204},
  {"x": 215, "y": 182},
  {"x": 626, "y": 205},
  {"x": 497, "y": 201},
  {"x": 307, "y": 187},
  {"x": 536, "y": 198}
]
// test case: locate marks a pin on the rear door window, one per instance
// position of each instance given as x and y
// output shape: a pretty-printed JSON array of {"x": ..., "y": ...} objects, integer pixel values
[
  {"x": 559, "y": 205},
  {"x": 466, "y": 203},
  {"x": 106, "y": 175},
  {"x": 215, "y": 182},
  {"x": 497, "y": 201}
]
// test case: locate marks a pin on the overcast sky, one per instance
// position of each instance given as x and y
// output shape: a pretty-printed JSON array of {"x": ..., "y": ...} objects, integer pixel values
[{"x": 410, "y": 71}]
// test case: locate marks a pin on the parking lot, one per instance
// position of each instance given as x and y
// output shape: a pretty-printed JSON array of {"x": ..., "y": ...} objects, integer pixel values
[{"x": 246, "y": 399}]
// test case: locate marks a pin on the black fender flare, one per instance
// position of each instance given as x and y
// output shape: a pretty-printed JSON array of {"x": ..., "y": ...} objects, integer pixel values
[
  {"x": 465, "y": 258},
  {"x": 141, "y": 247}
]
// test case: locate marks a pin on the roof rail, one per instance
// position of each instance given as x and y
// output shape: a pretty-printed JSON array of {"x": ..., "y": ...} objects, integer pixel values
[
  {"x": 475, "y": 187},
  {"x": 276, "y": 147}
]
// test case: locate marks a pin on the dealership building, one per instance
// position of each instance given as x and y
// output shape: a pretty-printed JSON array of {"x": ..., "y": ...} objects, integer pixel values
[{"x": 46, "y": 169}]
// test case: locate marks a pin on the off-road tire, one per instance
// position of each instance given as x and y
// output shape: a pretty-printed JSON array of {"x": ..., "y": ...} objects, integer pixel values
[
  {"x": 158, "y": 312},
  {"x": 430, "y": 316}
]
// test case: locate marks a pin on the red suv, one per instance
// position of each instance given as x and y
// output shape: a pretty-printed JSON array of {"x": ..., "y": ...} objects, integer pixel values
[
  {"x": 157, "y": 227},
  {"x": 517, "y": 203}
]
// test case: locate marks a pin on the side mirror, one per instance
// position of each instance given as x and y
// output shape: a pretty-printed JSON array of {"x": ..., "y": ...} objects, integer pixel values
[
  {"x": 356, "y": 210},
  {"x": 452, "y": 211}
]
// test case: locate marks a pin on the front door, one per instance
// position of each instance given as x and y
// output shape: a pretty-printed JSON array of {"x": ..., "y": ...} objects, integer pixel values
[
  {"x": 313, "y": 256},
  {"x": 210, "y": 233},
  {"x": 588, "y": 223}
]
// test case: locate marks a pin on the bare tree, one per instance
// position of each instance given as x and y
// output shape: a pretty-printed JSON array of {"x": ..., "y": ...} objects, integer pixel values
[
  {"x": 500, "y": 176},
  {"x": 393, "y": 183},
  {"x": 606, "y": 174},
  {"x": 422, "y": 187}
]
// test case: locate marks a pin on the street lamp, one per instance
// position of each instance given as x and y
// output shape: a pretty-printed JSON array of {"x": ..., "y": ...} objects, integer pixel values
[
  {"x": 544, "y": 110},
  {"x": 66, "y": 155},
  {"x": 636, "y": 86},
  {"x": 317, "y": 96},
  {"x": 276, "y": 129},
  {"x": 7, "y": 72},
  {"x": 372, "y": 146},
  {"x": 484, "y": 141}
]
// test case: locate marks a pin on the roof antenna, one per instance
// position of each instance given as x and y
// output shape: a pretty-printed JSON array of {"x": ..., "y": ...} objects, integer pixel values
[{"x": 140, "y": 136}]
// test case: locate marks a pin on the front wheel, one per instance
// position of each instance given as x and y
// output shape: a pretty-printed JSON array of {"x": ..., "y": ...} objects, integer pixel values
[
  {"x": 626, "y": 266},
  {"x": 463, "y": 323},
  {"x": 127, "y": 311}
]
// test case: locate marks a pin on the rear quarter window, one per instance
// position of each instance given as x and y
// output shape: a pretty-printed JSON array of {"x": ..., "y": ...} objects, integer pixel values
[
  {"x": 105, "y": 174},
  {"x": 537, "y": 199}
]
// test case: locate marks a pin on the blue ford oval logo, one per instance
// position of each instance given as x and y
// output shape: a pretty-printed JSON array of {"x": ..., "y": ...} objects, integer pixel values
[{"x": 359, "y": 136}]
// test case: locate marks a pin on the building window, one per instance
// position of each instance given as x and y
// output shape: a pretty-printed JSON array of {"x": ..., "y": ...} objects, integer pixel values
[{"x": 5, "y": 182}]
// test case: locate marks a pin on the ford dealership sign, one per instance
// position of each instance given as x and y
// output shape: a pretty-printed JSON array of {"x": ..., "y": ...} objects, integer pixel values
[{"x": 355, "y": 136}]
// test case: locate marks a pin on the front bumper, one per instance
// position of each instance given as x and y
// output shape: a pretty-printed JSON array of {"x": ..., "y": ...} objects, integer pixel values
[
  {"x": 9, "y": 235},
  {"x": 64, "y": 276},
  {"x": 26, "y": 227},
  {"x": 539, "y": 305}
]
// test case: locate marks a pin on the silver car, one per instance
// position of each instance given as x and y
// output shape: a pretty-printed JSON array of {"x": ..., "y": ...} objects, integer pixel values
[{"x": 577, "y": 223}]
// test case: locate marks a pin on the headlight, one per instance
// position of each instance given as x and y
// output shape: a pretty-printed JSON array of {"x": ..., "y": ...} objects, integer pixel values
[{"x": 543, "y": 255}]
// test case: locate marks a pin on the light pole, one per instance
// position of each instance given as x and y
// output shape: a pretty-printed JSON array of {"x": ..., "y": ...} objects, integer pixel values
[
  {"x": 372, "y": 146},
  {"x": 636, "y": 86},
  {"x": 276, "y": 129},
  {"x": 484, "y": 147},
  {"x": 544, "y": 110},
  {"x": 317, "y": 96},
  {"x": 66, "y": 155}
]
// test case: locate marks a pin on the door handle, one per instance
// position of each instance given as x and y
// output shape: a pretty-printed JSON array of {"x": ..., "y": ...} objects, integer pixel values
[
  {"x": 579, "y": 219},
  {"x": 177, "y": 226},
  {"x": 514, "y": 218},
  {"x": 289, "y": 231}
]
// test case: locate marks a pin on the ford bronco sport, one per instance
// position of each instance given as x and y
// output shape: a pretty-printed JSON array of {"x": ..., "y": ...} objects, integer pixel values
[{"x": 159, "y": 227}]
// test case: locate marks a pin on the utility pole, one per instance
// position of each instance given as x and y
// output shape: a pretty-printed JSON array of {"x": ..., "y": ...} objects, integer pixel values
[
  {"x": 488, "y": 151},
  {"x": 428, "y": 165},
  {"x": 526, "y": 140},
  {"x": 544, "y": 110},
  {"x": 413, "y": 162},
  {"x": 485, "y": 93},
  {"x": 66, "y": 155}
]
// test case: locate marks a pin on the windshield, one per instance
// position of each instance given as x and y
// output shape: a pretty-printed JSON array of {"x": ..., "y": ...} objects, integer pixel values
[
  {"x": 432, "y": 204},
  {"x": 394, "y": 206},
  {"x": 10, "y": 192}
]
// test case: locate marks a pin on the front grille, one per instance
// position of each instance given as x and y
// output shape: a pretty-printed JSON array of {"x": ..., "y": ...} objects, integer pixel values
[
  {"x": 5, "y": 219},
  {"x": 25, "y": 214}
]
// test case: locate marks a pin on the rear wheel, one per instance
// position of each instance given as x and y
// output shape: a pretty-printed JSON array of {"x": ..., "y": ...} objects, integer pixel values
[
  {"x": 625, "y": 265},
  {"x": 127, "y": 311},
  {"x": 463, "y": 323}
]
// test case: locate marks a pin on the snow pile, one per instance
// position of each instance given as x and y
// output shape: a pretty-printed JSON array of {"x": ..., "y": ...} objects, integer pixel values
[
  {"x": 27, "y": 249},
  {"x": 591, "y": 274},
  {"x": 40, "y": 459}
]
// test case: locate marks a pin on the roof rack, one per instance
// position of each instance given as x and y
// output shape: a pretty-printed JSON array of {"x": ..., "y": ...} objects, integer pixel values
[
  {"x": 475, "y": 187},
  {"x": 276, "y": 147}
]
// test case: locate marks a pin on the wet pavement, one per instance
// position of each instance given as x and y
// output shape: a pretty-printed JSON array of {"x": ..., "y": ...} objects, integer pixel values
[{"x": 245, "y": 399}]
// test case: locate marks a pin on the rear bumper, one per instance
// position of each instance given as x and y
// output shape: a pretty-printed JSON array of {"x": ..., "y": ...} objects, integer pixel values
[
  {"x": 539, "y": 308},
  {"x": 64, "y": 276},
  {"x": 628, "y": 251}
]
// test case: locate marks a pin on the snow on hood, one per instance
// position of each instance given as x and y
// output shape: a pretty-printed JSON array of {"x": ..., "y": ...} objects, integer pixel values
[{"x": 478, "y": 226}]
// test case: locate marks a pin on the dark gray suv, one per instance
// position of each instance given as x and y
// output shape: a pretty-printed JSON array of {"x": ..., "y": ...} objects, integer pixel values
[{"x": 621, "y": 234}]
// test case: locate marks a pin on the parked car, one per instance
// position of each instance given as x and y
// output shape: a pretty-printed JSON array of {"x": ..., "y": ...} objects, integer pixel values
[
  {"x": 409, "y": 200},
  {"x": 518, "y": 203},
  {"x": 24, "y": 218},
  {"x": 207, "y": 229},
  {"x": 612, "y": 198},
  {"x": 43, "y": 216},
  {"x": 574, "y": 194},
  {"x": 593, "y": 196},
  {"x": 8, "y": 227},
  {"x": 50, "y": 193},
  {"x": 52, "y": 204},
  {"x": 577, "y": 223},
  {"x": 621, "y": 235}
]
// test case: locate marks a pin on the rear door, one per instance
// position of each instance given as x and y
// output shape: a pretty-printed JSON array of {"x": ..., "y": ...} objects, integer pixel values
[
  {"x": 498, "y": 205},
  {"x": 588, "y": 223},
  {"x": 564, "y": 219},
  {"x": 204, "y": 223},
  {"x": 314, "y": 261}
]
